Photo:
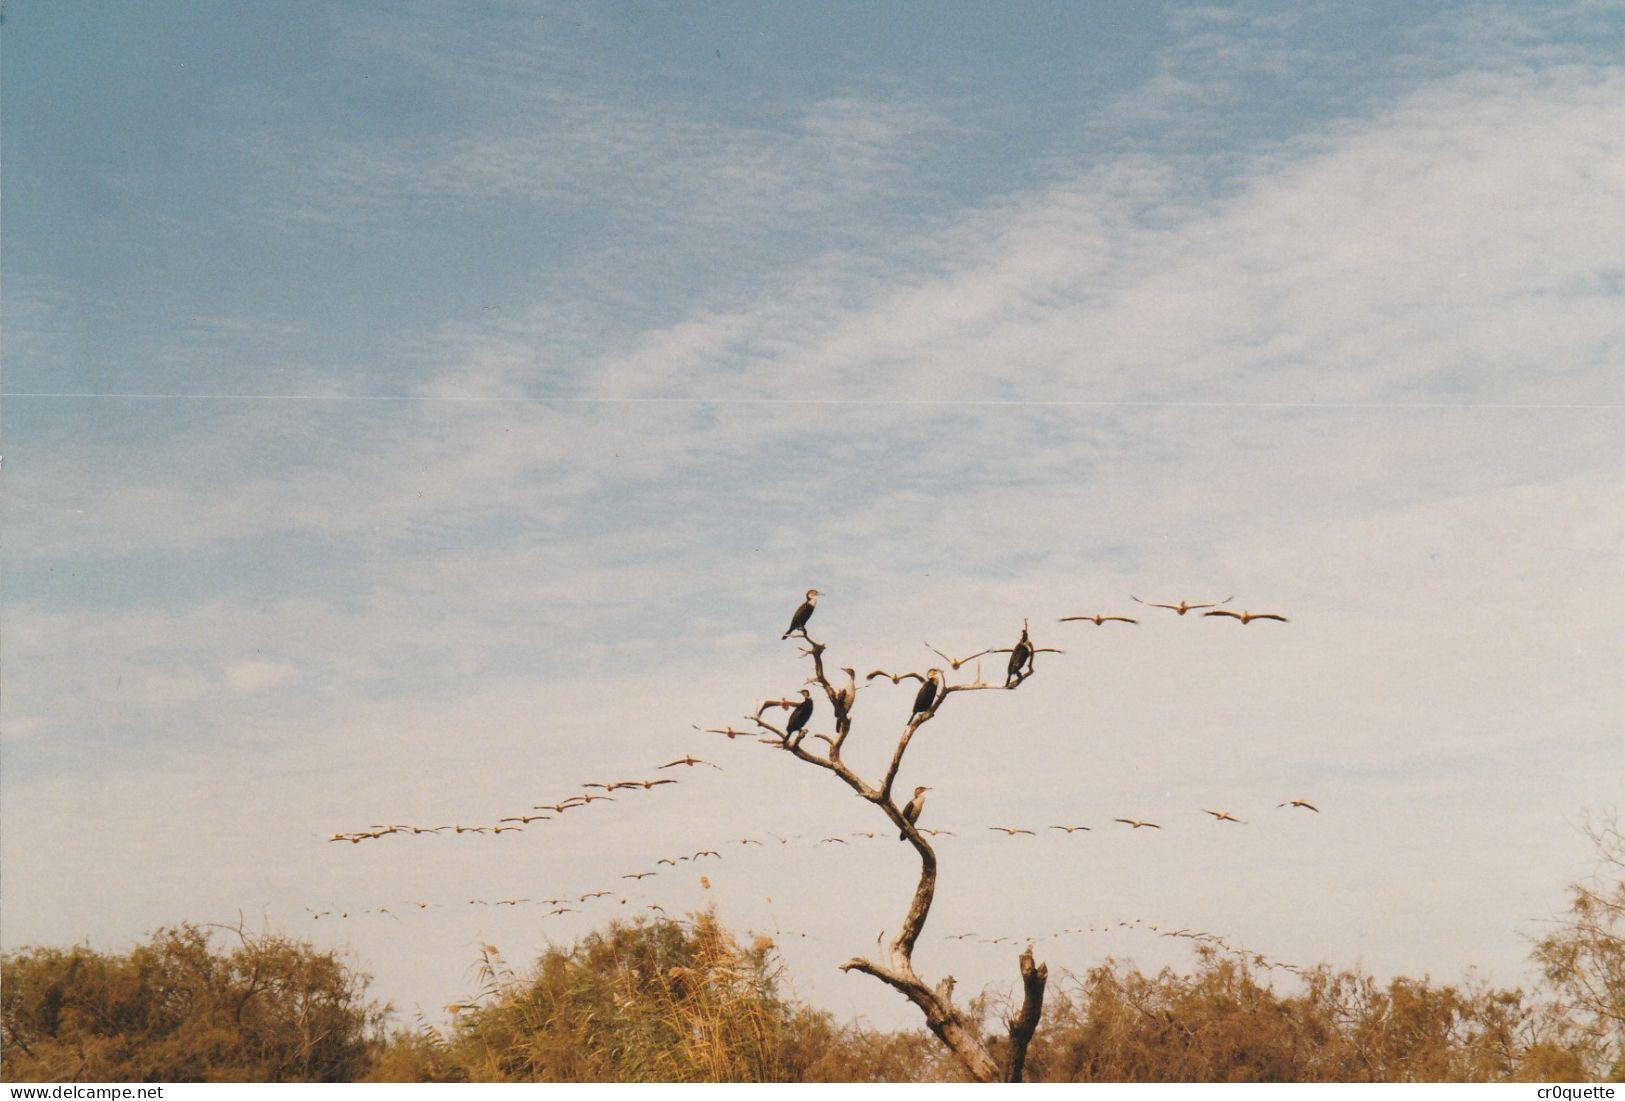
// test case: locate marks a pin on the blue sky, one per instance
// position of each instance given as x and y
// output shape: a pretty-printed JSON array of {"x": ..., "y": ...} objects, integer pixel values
[{"x": 413, "y": 412}]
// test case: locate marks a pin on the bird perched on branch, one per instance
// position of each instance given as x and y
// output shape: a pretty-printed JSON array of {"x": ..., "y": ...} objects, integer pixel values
[
  {"x": 798, "y": 622},
  {"x": 912, "y": 809},
  {"x": 1021, "y": 658},
  {"x": 799, "y": 716},
  {"x": 847, "y": 694},
  {"x": 1182, "y": 607},
  {"x": 1247, "y": 617},
  {"x": 1097, "y": 620},
  {"x": 927, "y": 695}
]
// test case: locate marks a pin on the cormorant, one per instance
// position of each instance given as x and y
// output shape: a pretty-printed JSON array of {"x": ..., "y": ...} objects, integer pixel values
[
  {"x": 802, "y": 712},
  {"x": 911, "y": 811},
  {"x": 1021, "y": 656},
  {"x": 798, "y": 622},
  {"x": 847, "y": 694},
  {"x": 927, "y": 695}
]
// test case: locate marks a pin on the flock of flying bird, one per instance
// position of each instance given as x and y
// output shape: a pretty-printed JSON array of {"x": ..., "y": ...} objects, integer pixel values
[
  {"x": 517, "y": 822},
  {"x": 800, "y": 712}
]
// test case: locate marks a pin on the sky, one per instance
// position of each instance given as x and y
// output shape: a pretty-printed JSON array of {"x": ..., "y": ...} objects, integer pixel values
[{"x": 414, "y": 412}]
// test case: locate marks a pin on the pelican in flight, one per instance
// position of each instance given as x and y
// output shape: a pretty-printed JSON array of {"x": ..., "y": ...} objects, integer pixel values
[
  {"x": 1223, "y": 816},
  {"x": 1181, "y": 607},
  {"x": 1011, "y": 831},
  {"x": 1247, "y": 617},
  {"x": 1299, "y": 803},
  {"x": 690, "y": 761},
  {"x": 639, "y": 875},
  {"x": 1097, "y": 620},
  {"x": 955, "y": 663},
  {"x": 912, "y": 809},
  {"x": 798, "y": 622},
  {"x": 895, "y": 678},
  {"x": 1070, "y": 830},
  {"x": 1137, "y": 824},
  {"x": 644, "y": 784}
]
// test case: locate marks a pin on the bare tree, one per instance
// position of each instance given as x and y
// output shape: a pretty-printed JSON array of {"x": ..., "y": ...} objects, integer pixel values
[{"x": 958, "y": 1032}]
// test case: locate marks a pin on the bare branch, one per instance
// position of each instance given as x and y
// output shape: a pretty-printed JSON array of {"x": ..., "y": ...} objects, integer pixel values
[{"x": 1025, "y": 1023}]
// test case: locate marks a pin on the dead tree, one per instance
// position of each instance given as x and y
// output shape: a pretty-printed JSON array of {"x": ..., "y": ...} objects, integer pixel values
[{"x": 945, "y": 1021}]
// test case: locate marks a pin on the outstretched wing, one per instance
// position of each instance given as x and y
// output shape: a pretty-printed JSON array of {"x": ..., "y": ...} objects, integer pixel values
[{"x": 895, "y": 678}]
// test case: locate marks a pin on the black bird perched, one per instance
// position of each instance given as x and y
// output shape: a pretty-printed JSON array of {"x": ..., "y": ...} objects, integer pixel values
[
  {"x": 911, "y": 811},
  {"x": 927, "y": 695},
  {"x": 1021, "y": 656},
  {"x": 803, "y": 711},
  {"x": 798, "y": 622}
]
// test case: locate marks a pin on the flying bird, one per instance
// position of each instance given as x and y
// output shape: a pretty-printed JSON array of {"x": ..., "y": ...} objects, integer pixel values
[
  {"x": 1137, "y": 824},
  {"x": 1097, "y": 620},
  {"x": 1182, "y": 607},
  {"x": 895, "y": 678},
  {"x": 690, "y": 761},
  {"x": 1223, "y": 816},
  {"x": 1299, "y": 803},
  {"x": 798, "y": 622},
  {"x": 833, "y": 841},
  {"x": 1011, "y": 831},
  {"x": 939, "y": 833},
  {"x": 1247, "y": 617},
  {"x": 639, "y": 875},
  {"x": 1071, "y": 829},
  {"x": 955, "y": 663},
  {"x": 912, "y": 809}
]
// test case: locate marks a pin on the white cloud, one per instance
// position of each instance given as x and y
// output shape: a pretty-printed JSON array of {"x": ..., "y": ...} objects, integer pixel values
[{"x": 258, "y": 675}]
